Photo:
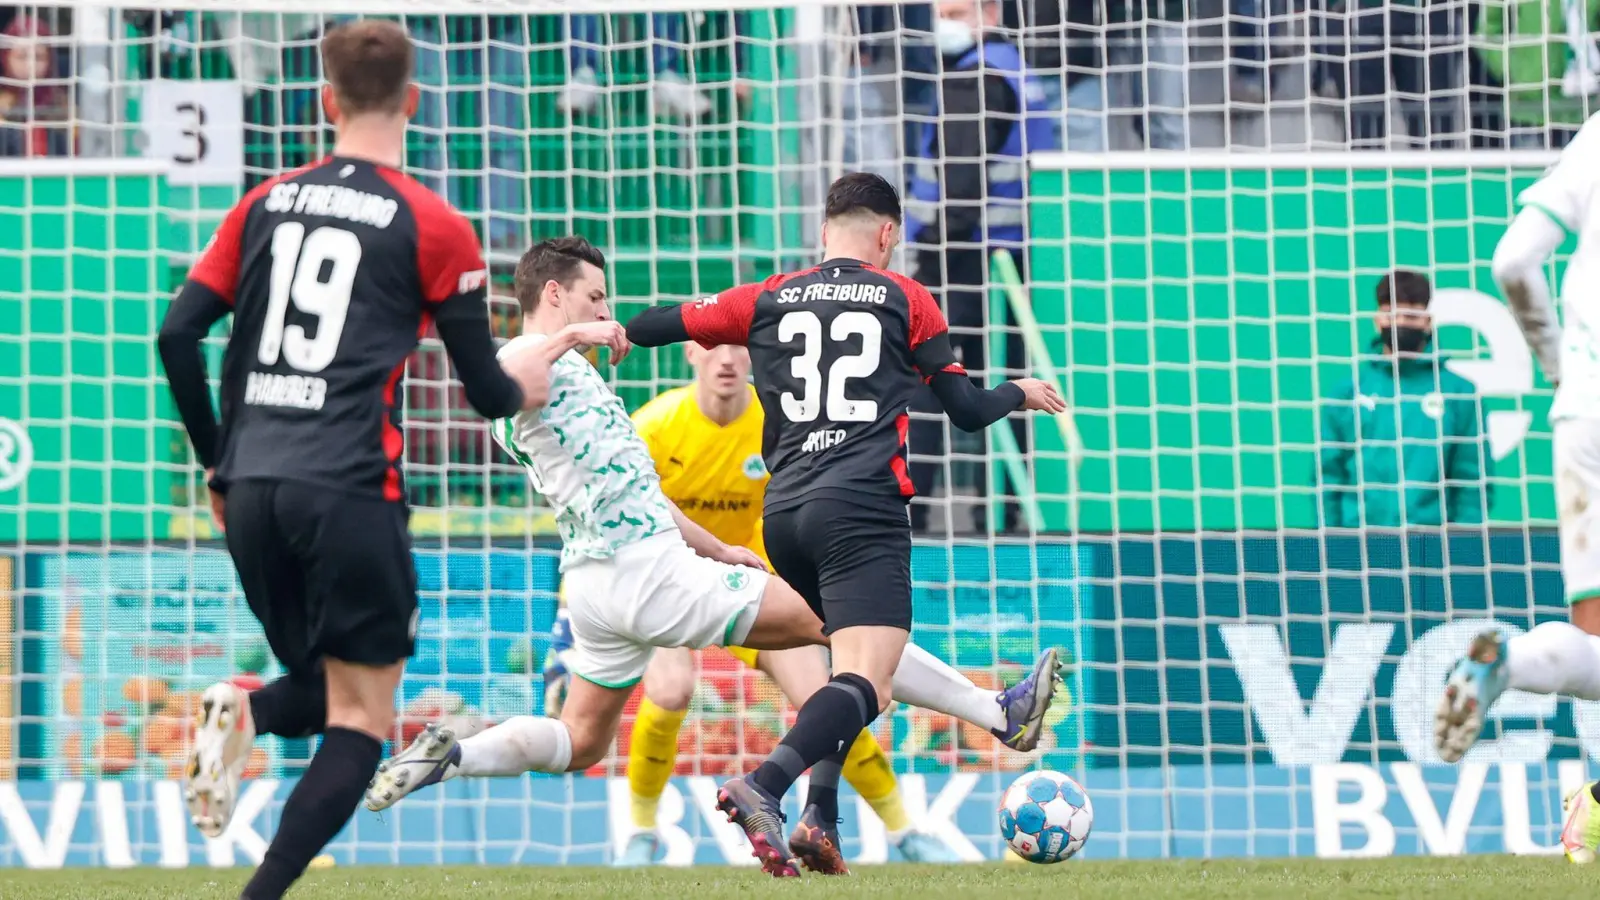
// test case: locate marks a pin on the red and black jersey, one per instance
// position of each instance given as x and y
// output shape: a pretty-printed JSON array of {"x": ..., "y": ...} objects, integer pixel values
[
  {"x": 332, "y": 273},
  {"x": 837, "y": 352}
]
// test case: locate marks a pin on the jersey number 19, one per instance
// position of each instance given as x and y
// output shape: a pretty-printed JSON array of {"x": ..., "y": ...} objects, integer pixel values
[
  {"x": 806, "y": 326},
  {"x": 297, "y": 263}
]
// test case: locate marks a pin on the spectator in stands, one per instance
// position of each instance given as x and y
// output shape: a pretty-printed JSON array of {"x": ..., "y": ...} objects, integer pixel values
[
  {"x": 968, "y": 183},
  {"x": 587, "y": 43},
  {"x": 1062, "y": 45},
  {"x": 890, "y": 88},
  {"x": 1393, "y": 57},
  {"x": 1068, "y": 47},
  {"x": 1247, "y": 47},
  {"x": 1149, "y": 54},
  {"x": 1403, "y": 441},
  {"x": 1542, "y": 57},
  {"x": 34, "y": 113}
]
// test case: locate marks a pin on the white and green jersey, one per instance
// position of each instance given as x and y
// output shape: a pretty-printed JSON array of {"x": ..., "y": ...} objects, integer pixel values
[
  {"x": 1569, "y": 193},
  {"x": 583, "y": 454}
]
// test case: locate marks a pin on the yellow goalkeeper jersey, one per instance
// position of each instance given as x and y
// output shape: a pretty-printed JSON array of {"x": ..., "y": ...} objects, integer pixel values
[{"x": 714, "y": 473}]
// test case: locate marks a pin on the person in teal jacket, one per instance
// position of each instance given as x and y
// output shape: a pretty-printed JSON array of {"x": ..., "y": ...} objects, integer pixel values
[{"x": 1403, "y": 441}]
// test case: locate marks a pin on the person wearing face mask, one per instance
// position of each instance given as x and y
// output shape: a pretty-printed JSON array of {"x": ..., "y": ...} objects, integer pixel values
[
  {"x": 1403, "y": 441},
  {"x": 966, "y": 200}
]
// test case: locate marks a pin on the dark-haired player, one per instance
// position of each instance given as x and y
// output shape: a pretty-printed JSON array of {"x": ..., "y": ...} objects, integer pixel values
[
  {"x": 638, "y": 573},
  {"x": 331, "y": 273},
  {"x": 838, "y": 351}
]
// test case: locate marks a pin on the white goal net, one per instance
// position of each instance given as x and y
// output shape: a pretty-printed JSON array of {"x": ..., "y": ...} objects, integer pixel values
[{"x": 1210, "y": 537}]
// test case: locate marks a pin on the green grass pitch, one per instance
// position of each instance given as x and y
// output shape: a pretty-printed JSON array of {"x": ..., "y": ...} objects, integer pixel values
[{"x": 1460, "y": 878}]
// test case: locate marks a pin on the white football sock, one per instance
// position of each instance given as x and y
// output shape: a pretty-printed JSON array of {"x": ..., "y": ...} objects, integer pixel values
[
  {"x": 922, "y": 680},
  {"x": 1555, "y": 658},
  {"x": 517, "y": 745}
]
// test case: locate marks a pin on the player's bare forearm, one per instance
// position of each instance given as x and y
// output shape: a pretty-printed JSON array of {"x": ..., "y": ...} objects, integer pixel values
[
  {"x": 1535, "y": 315},
  {"x": 706, "y": 544},
  {"x": 188, "y": 321},
  {"x": 701, "y": 541},
  {"x": 658, "y": 326},
  {"x": 1518, "y": 269},
  {"x": 557, "y": 346},
  {"x": 583, "y": 336}
]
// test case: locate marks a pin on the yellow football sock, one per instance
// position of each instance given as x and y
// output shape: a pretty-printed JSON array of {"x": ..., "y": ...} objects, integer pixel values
[
  {"x": 869, "y": 772},
  {"x": 652, "y": 755}
]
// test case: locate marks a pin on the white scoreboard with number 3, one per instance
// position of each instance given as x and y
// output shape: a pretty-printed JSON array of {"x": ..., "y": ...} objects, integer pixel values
[{"x": 197, "y": 128}]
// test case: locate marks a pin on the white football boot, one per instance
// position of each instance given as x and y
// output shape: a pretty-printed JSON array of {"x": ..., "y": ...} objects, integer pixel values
[{"x": 223, "y": 736}]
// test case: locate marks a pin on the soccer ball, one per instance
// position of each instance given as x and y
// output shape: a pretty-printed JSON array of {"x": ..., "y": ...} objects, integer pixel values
[{"x": 1045, "y": 817}]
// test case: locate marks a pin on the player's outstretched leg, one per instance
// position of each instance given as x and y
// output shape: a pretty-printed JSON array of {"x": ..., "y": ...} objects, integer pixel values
[
  {"x": 1552, "y": 658},
  {"x": 1014, "y": 716},
  {"x": 653, "y": 748},
  {"x": 572, "y": 743}
]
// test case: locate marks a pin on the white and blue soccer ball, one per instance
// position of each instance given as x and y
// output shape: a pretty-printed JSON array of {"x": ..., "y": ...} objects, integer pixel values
[{"x": 1045, "y": 817}]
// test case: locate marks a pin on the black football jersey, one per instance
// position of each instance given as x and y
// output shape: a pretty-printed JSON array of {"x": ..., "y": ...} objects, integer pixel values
[
  {"x": 834, "y": 353},
  {"x": 333, "y": 272}
]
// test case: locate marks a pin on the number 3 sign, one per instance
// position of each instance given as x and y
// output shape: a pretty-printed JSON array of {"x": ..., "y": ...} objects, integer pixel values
[{"x": 198, "y": 128}]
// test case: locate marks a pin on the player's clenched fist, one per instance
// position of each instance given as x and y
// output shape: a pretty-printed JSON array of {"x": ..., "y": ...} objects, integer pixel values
[
  {"x": 609, "y": 334},
  {"x": 532, "y": 373},
  {"x": 1041, "y": 395}
]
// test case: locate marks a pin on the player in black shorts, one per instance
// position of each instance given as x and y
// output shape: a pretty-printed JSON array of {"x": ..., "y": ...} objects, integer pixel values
[
  {"x": 838, "y": 351},
  {"x": 331, "y": 273}
]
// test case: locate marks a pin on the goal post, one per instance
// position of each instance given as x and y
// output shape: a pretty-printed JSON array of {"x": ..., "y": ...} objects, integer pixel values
[
  {"x": 1206, "y": 309},
  {"x": 1243, "y": 681}
]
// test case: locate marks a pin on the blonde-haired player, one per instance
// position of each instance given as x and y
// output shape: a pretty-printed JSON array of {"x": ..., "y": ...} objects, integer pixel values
[{"x": 705, "y": 439}]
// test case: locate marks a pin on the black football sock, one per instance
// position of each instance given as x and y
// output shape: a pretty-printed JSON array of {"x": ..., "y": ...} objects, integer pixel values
[
  {"x": 826, "y": 726},
  {"x": 319, "y": 806},
  {"x": 824, "y": 790},
  {"x": 294, "y": 706}
]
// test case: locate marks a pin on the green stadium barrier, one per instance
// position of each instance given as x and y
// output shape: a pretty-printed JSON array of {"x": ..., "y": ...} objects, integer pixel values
[{"x": 1201, "y": 313}]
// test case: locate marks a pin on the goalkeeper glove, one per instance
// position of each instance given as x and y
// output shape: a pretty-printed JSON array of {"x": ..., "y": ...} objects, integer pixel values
[{"x": 557, "y": 673}]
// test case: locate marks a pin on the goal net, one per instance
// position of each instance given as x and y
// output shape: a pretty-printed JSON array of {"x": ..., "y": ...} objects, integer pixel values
[{"x": 1208, "y": 536}]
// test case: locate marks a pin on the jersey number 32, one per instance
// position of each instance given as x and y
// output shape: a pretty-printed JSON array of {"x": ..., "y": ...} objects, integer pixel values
[
  {"x": 298, "y": 260},
  {"x": 805, "y": 326}
]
